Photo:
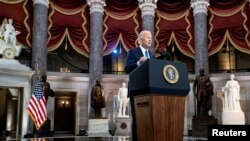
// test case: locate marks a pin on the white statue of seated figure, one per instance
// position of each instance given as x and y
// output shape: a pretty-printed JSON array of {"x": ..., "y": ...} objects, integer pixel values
[
  {"x": 232, "y": 95},
  {"x": 9, "y": 33},
  {"x": 123, "y": 100}
]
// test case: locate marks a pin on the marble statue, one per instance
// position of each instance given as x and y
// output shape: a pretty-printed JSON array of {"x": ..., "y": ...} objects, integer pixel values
[
  {"x": 10, "y": 33},
  {"x": 8, "y": 47},
  {"x": 123, "y": 100},
  {"x": 231, "y": 93}
]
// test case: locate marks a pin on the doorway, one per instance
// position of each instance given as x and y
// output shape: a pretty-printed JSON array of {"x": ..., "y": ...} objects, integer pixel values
[
  {"x": 64, "y": 121},
  {"x": 10, "y": 112}
]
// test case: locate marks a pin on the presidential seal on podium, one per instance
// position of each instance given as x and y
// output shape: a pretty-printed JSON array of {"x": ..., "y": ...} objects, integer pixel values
[{"x": 170, "y": 74}]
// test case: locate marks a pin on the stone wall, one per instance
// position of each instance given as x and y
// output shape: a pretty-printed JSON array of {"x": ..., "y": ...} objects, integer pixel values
[
  {"x": 78, "y": 84},
  {"x": 111, "y": 84}
]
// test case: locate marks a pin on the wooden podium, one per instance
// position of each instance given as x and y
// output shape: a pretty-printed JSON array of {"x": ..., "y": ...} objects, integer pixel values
[{"x": 158, "y": 89}]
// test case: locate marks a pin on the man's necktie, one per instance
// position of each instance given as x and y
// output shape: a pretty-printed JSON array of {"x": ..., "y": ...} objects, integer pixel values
[{"x": 147, "y": 54}]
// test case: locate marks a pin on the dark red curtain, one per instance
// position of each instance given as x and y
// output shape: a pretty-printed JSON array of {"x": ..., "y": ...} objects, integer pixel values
[
  {"x": 122, "y": 23},
  {"x": 174, "y": 23},
  {"x": 228, "y": 20},
  {"x": 69, "y": 19},
  {"x": 22, "y": 17}
]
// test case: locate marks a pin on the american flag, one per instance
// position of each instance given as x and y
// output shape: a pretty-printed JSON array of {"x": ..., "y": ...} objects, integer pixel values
[{"x": 37, "y": 105}]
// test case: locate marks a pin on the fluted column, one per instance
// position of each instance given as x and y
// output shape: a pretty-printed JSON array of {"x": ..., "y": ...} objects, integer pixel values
[
  {"x": 96, "y": 41},
  {"x": 148, "y": 17},
  {"x": 40, "y": 35},
  {"x": 200, "y": 35}
]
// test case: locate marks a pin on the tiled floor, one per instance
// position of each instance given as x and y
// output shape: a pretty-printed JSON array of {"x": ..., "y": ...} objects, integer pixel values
[{"x": 86, "y": 138}]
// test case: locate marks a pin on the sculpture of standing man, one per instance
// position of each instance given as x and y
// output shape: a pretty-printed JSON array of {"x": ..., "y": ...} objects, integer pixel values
[
  {"x": 97, "y": 98},
  {"x": 123, "y": 100},
  {"x": 203, "y": 91},
  {"x": 46, "y": 88}
]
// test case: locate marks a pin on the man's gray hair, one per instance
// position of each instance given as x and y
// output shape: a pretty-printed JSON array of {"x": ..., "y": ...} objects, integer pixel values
[{"x": 141, "y": 35}]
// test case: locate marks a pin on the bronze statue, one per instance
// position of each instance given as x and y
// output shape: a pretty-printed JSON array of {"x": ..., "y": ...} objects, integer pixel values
[
  {"x": 97, "y": 98},
  {"x": 203, "y": 91},
  {"x": 46, "y": 88}
]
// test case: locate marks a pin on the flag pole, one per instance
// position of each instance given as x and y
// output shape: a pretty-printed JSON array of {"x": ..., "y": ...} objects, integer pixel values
[{"x": 37, "y": 72}]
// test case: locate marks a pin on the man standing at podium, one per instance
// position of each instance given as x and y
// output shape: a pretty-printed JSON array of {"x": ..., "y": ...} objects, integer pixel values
[{"x": 136, "y": 57}]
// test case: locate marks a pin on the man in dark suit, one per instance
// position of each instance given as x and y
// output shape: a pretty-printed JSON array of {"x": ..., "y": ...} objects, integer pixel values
[{"x": 136, "y": 57}]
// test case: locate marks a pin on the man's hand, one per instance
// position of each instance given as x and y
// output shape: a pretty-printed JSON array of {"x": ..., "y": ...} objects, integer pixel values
[{"x": 142, "y": 59}]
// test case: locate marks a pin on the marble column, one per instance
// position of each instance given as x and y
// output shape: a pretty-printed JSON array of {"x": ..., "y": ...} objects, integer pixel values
[
  {"x": 148, "y": 17},
  {"x": 40, "y": 35},
  {"x": 39, "y": 42},
  {"x": 96, "y": 41},
  {"x": 200, "y": 35}
]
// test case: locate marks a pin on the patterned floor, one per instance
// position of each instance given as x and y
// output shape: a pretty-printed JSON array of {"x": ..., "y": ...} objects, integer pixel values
[{"x": 87, "y": 138}]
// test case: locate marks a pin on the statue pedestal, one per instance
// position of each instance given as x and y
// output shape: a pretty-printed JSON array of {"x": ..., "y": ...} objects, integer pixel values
[
  {"x": 200, "y": 125},
  {"x": 13, "y": 65},
  {"x": 123, "y": 126},
  {"x": 233, "y": 118},
  {"x": 98, "y": 127}
]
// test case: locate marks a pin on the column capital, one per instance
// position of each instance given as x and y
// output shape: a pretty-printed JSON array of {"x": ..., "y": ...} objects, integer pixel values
[
  {"x": 199, "y": 6},
  {"x": 96, "y": 5},
  {"x": 42, "y": 2},
  {"x": 147, "y": 7}
]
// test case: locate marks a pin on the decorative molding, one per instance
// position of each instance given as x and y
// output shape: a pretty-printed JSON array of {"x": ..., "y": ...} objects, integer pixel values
[
  {"x": 199, "y": 6},
  {"x": 42, "y": 2},
  {"x": 147, "y": 7},
  {"x": 12, "y": 65},
  {"x": 96, "y": 6}
]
